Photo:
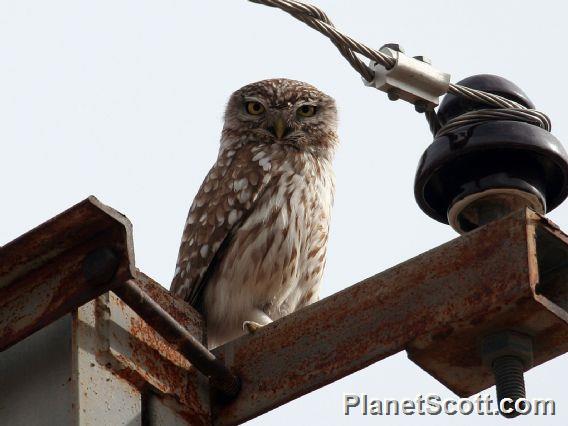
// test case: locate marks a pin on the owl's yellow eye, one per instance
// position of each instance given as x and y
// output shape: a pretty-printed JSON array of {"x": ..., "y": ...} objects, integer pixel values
[
  {"x": 254, "y": 108},
  {"x": 307, "y": 111}
]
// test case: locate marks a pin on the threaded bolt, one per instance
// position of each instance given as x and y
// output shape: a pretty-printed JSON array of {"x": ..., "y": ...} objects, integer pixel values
[
  {"x": 509, "y": 381},
  {"x": 508, "y": 353}
]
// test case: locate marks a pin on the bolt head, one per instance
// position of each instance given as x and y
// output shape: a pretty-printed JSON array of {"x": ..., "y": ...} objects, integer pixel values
[
  {"x": 393, "y": 95},
  {"x": 420, "y": 106},
  {"x": 507, "y": 343},
  {"x": 423, "y": 59},
  {"x": 393, "y": 46},
  {"x": 100, "y": 265}
]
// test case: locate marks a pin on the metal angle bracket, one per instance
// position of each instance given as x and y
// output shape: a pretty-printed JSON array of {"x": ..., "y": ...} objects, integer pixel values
[
  {"x": 508, "y": 275},
  {"x": 53, "y": 269},
  {"x": 535, "y": 304},
  {"x": 414, "y": 80}
]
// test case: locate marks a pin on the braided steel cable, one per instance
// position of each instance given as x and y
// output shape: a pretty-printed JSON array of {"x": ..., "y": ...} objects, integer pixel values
[
  {"x": 483, "y": 115},
  {"x": 318, "y": 20},
  {"x": 503, "y": 108}
]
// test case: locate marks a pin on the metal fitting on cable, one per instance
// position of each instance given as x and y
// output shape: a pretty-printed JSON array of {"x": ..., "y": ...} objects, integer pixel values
[{"x": 413, "y": 79}]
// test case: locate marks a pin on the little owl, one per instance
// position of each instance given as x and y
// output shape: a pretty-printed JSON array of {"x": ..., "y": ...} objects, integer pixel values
[{"x": 254, "y": 244}]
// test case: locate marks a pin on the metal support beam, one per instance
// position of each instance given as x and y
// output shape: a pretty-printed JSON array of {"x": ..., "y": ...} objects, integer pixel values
[
  {"x": 509, "y": 275},
  {"x": 180, "y": 338},
  {"x": 47, "y": 272},
  {"x": 436, "y": 305},
  {"x": 75, "y": 257}
]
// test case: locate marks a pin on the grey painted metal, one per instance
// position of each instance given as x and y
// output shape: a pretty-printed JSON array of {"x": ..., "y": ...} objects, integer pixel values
[
  {"x": 159, "y": 411},
  {"x": 101, "y": 396},
  {"x": 35, "y": 378},
  {"x": 101, "y": 365},
  {"x": 53, "y": 377}
]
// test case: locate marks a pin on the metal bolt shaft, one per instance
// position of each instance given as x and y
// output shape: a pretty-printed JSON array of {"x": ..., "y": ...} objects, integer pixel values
[
  {"x": 509, "y": 381},
  {"x": 508, "y": 353}
]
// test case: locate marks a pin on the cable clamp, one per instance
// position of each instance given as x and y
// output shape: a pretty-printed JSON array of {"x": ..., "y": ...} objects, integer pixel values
[{"x": 414, "y": 80}]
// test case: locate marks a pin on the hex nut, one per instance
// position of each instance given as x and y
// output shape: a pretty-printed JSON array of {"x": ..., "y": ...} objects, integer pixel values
[
  {"x": 423, "y": 59},
  {"x": 393, "y": 46},
  {"x": 507, "y": 343}
]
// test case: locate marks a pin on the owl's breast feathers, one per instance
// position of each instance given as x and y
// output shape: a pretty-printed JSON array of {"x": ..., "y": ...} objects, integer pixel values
[{"x": 226, "y": 198}]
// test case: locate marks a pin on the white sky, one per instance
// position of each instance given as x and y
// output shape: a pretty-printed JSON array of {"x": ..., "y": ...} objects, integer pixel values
[{"x": 124, "y": 100}]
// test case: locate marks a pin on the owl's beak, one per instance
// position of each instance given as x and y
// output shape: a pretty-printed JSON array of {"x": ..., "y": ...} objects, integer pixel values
[{"x": 280, "y": 128}]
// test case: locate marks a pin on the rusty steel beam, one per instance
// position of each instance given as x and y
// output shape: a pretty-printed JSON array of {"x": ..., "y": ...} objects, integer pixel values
[
  {"x": 511, "y": 274},
  {"x": 134, "y": 351},
  {"x": 75, "y": 257},
  {"x": 179, "y": 337},
  {"x": 537, "y": 307},
  {"x": 448, "y": 296},
  {"x": 49, "y": 271}
]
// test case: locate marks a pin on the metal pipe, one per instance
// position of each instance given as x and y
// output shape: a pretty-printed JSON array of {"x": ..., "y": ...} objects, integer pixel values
[{"x": 174, "y": 333}]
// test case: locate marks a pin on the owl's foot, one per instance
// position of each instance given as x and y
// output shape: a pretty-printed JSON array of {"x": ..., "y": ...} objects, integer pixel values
[{"x": 251, "y": 326}]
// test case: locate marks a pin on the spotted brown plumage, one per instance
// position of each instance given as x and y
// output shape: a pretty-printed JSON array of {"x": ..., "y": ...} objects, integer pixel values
[{"x": 254, "y": 244}]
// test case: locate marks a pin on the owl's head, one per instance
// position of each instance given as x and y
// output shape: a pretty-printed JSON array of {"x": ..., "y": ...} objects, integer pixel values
[{"x": 282, "y": 111}]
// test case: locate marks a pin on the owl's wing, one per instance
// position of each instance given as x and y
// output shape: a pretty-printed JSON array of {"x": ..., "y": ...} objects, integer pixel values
[{"x": 225, "y": 199}]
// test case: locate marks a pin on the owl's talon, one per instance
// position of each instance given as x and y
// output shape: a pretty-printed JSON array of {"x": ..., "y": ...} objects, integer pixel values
[{"x": 251, "y": 326}]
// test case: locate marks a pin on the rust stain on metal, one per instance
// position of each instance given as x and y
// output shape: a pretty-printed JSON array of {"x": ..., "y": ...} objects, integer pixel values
[
  {"x": 41, "y": 276},
  {"x": 194, "y": 413},
  {"x": 164, "y": 365},
  {"x": 144, "y": 334},
  {"x": 139, "y": 354},
  {"x": 441, "y": 299},
  {"x": 185, "y": 314},
  {"x": 508, "y": 274},
  {"x": 456, "y": 359}
]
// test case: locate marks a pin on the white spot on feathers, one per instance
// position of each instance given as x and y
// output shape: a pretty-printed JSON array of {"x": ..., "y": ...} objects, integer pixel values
[
  {"x": 265, "y": 163},
  {"x": 220, "y": 216},
  {"x": 244, "y": 196},
  {"x": 259, "y": 155},
  {"x": 233, "y": 217},
  {"x": 240, "y": 184}
]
